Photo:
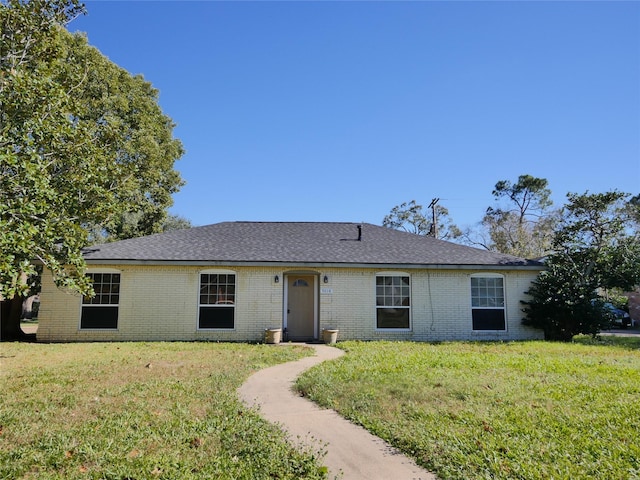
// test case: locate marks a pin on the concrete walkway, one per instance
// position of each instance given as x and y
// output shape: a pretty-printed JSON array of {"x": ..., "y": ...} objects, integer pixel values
[{"x": 352, "y": 452}]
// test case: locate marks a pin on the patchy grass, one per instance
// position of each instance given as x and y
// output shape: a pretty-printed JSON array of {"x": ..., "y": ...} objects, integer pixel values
[
  {"x": 529, "y": 410},
  {"x": 630, "y": 342},
  {"x": 140, "y": 410},
  {"x": 29, "y": 321}
]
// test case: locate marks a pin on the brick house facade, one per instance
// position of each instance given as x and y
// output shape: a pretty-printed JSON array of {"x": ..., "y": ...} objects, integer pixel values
[{"x": 231, "y": 281}]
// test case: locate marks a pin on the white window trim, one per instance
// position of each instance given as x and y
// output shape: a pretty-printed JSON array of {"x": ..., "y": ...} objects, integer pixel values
[
  {"x": 219, "y": 271},
  {"x": 98, "y": 305},
  {"x": 504, "y": 307},
  {"x": 410, "y": 307}
]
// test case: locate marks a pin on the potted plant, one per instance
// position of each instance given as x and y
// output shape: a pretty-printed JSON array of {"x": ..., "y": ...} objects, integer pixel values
[
  {"x": 273, "y": 335},
  {"x": 330, "y": 335}
]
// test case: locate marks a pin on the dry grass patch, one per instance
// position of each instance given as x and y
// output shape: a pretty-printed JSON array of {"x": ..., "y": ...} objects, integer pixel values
[{"x": 139, "y": 410}]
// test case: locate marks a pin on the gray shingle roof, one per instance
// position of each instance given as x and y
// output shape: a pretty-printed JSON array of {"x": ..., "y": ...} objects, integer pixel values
[{"x": 304, "y": 243}]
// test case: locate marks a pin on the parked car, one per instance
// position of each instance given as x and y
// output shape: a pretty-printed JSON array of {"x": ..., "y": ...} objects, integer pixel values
[{"x": 620, "y": 318}]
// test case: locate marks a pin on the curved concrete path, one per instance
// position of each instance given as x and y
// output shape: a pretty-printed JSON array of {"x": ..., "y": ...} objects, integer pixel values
[{"x": 352, "y": 452}]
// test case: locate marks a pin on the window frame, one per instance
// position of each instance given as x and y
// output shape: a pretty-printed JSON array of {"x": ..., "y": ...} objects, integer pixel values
[
  {"x": 408, "y": 307},
  {"x": 217, "y": 305},
  {"x": 86, "y": 307},
  {"x": 488, "y": 308}
]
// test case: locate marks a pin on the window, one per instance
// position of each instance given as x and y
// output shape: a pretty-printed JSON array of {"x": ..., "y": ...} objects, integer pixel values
[
  {"x": 393, "y": 301},
  {"x": 487, "y": 303},
  {"x": 101, "y": 311},
  {"x": 217, "y": 300}
]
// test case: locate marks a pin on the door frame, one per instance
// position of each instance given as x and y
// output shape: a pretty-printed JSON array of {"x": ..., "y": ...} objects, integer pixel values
[{"x": 316, "y": 298}]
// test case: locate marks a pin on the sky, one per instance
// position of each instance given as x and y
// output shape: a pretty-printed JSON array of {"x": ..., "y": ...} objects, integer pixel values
[{"x": 339, "y": 111}]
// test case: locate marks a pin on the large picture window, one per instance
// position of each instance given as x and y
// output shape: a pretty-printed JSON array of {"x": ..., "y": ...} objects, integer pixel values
[
  {"x": 487, "y": 303},
  {"x": 101, "y": 311},
  {"x": 393, "y": 301},
  {"x": 217, "y": 300}
]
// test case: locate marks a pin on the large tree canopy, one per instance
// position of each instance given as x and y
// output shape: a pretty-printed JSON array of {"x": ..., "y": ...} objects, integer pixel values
[
  {"x": 594, "y": 249},
  {"x": 523, "y": 226},
  {"x": 414, "y": 218},
  {"x": 83, "y": 145},
  {"x": 127, "y": 122}
]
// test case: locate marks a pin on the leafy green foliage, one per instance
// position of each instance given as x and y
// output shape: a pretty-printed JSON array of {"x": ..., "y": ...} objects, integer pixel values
[
  {"x": 126, "y": 121},
  {"x": 593, "y": 250},
  {"x": 533, "y": 410},
  {"x": 633, "y": 208},
  {"x": 414, "y": 218},
  {"x": 82, "y": 143},
  {"x": 136, "y": 410},
  {"x": 528, "y": 193},
  {"x": 524, "y": 227},
  {"x": 176, "y": 222}
]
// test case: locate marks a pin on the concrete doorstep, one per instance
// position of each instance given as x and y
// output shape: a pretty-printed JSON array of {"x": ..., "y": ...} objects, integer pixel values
[{"x": 352, "y": 452}]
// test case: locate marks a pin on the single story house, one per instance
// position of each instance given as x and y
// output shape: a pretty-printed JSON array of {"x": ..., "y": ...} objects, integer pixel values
[{"x": 231, "y": 281}]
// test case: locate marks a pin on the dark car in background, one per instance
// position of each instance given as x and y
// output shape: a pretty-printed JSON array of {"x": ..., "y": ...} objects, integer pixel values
[{"x": 619, "y": 318}]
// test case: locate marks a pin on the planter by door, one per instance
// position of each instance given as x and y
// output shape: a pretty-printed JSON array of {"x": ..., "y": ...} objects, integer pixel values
[
  {"x": 273, "y": 335},
  {"x": 330, "y": 335}
]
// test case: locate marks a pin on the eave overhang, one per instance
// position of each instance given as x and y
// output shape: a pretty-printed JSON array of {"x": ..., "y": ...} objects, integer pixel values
[{"x": 395, "y": 266}]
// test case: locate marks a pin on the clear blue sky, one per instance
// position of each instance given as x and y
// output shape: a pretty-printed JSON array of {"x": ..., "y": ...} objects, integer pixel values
[{"x": 338, "y": 111}]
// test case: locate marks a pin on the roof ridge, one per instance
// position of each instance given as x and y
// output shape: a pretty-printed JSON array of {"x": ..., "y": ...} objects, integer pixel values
[{"x": 298, "y": 222}]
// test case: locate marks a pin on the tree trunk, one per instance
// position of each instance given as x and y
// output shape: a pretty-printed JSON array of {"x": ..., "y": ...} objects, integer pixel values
[{"x": 10, "y": 313}]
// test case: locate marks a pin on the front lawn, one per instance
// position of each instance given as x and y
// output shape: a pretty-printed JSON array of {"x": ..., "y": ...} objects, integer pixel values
[
  {"x": 139, "y": 410},
  {"x": 530, "y": 410}
]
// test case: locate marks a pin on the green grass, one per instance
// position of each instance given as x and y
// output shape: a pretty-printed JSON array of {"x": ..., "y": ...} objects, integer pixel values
[
  {"x": 30, "y": 321},
  {"x": 529, "y": 410},
  {"x": 140, "y": 411}
]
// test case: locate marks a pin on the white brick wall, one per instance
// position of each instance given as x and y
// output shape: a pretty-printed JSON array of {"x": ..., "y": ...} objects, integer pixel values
[
  {"x": 161, "y": 303},
  {"x": 441, "y": 306}
]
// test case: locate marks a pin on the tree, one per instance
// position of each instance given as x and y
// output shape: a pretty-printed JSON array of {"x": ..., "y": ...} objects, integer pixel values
[
  {"x": 524, "y": 227},
  {"x": 82, "y": 144},
  {"x": 133, "y": 128},
  {"x": 128, "y": 228},
  {"x": 634, "y": 210},
  {"x": 593, "y": 250},
  {"x": 176, "y": 222},
  {"x": 412, "y": 217}
]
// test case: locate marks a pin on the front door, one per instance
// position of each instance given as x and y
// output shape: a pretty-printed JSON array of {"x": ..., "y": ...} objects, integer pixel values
[{"x": 301, "y": 307}]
